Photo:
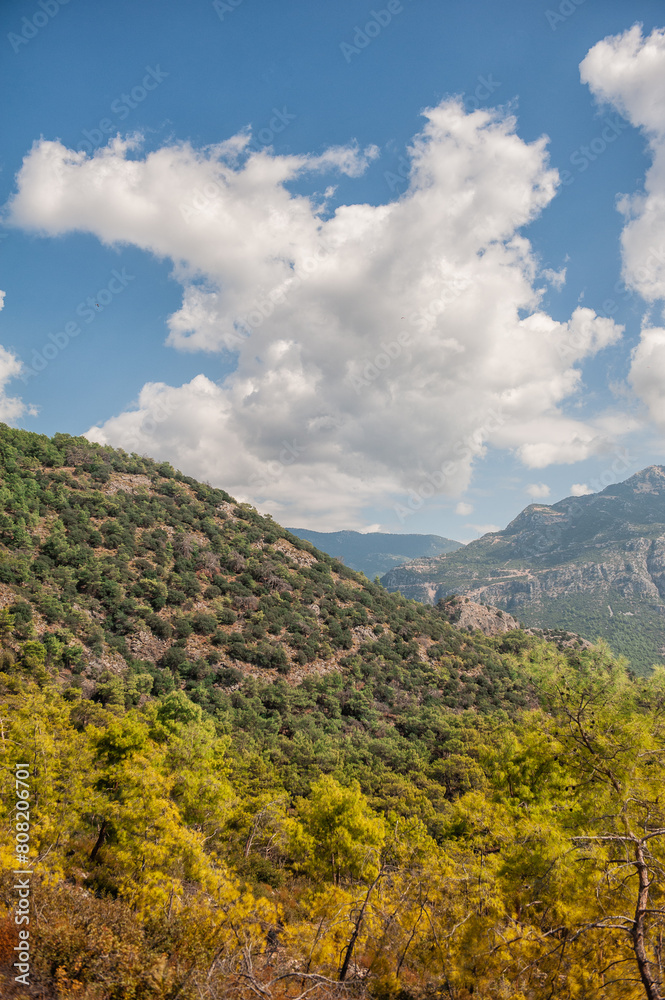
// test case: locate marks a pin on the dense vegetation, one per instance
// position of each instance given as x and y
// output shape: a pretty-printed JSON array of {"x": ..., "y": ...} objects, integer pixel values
[
  {"x": 143, "y": 581},
  {"x": 310, "y": 787},
  {"x": 635, "y": 629}
]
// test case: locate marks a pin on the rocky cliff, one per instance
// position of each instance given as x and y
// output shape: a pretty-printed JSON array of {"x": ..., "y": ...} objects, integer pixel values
[{"x": 594, "y": 564}]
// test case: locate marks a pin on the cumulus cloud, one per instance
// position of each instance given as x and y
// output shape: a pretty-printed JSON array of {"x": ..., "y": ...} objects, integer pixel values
[
  {"x": 193, "y": 426},
  {"x": 378, "y": 347},
  {"x": 556, "y": 278},
  {"x": 580, "y": 490},
  {"x": 464, "y": 509},
  {"x": 647, "y": 373},
  {"x": 628, "y": 71},
  {"x": 538, "y": 490},
  {"x": 11, "y": 407}
]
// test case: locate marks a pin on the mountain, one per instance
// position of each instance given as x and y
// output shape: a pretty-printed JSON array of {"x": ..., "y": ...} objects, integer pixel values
[
  {"x": 374, "y": 553},
  {"x": 593, "y": 564},
  {"x": 134, "y": 579}
]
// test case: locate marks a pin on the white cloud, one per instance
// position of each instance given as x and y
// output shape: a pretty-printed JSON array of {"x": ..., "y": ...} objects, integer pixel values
[
  {"x": 538, "y": 490},
  {"x": 580, "y": 490},
  {"x": 381, "y": 343},
  {"x": 464, "y": 509},
  {"x": 11, "y": 407},
  {"x": 556, "y": 278},
  {"x": 647, "y": 373},
  {"x": 192, "y": 425},
  {"x": 628, "y": 72}
]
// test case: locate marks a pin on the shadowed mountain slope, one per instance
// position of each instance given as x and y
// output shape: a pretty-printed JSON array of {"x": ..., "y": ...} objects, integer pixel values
[{"x": 374, "y": 553}]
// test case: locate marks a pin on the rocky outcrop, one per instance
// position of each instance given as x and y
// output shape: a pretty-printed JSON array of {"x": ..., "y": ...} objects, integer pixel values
[{"x": 468, "y": 614}]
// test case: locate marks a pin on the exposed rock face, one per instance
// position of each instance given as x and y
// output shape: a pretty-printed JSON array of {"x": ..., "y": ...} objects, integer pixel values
[
  {"x": 468, "y": 614},
  {"x": 599, "y": 557},
  {"x": 146, "y": 646},
  {"x": 127, "y": 483}
]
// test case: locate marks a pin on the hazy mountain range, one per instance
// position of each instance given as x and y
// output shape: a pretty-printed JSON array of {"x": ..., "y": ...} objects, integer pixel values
[{"x": 374, "y": 553}]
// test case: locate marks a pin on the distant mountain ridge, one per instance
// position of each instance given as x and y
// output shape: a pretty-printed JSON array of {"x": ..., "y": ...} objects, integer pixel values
[
  {"x": 374, "y": 553},
  {"x": 593, "y": 564}
]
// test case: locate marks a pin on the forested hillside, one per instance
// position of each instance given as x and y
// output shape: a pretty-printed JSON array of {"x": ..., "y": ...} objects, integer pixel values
[
  {"x": 251, "y": 773},
  {"x": 114, "y": 561}
]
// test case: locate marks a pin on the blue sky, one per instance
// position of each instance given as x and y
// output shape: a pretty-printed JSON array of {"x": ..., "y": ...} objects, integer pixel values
[{"x": 318, "y": 412}]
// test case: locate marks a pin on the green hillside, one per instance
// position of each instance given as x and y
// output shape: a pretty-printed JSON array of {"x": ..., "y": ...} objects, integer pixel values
[
  {"x": 119, "y": 562},
  {"x": 235, "y": 768}
]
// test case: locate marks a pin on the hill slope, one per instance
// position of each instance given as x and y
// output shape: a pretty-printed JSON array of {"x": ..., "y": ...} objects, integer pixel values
[
  {"x": 235, "y": 768},
  {"x": 122, "y": 568},
  {"x": 592, "y": 564},
  {"x": 374, "y": 553}
]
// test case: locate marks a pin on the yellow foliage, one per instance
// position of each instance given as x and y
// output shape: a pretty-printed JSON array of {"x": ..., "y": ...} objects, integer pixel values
[{"x": 337, "y": 835}]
